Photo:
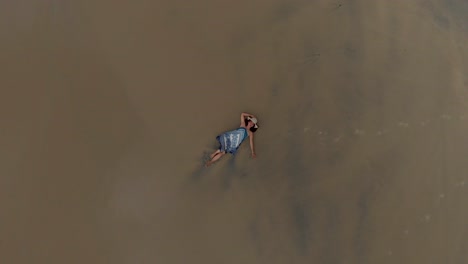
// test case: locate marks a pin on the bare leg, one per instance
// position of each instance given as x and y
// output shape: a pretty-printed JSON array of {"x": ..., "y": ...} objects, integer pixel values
[
  {"x": 216, "y": 157},
  {"x": 214, "y": 153}
]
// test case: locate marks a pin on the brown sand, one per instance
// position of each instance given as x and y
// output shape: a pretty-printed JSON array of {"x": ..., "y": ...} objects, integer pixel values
[{"x": 108, "y": 108}]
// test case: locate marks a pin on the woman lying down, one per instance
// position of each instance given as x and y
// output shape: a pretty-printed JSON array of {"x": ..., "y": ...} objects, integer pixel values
[{"x": 230, "y": 141}]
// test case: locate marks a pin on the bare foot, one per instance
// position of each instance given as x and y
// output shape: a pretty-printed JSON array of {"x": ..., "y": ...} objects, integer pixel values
[{"x": 208, "y": 163}]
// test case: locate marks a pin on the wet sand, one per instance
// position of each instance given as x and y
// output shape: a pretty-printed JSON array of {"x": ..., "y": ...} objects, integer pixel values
[{"x": 109, "y": 108}]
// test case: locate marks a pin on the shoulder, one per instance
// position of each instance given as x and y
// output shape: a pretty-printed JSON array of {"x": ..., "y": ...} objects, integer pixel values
[{"x": 247, "y": 132}]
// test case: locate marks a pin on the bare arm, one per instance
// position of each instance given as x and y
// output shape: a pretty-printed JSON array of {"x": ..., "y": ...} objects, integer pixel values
[
  {"x": 243, "y": 117},
  {"x": 251, "y": 136}
]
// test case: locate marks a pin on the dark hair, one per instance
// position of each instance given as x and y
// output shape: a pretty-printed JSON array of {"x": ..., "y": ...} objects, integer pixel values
[{"x": 253, "y": 129}]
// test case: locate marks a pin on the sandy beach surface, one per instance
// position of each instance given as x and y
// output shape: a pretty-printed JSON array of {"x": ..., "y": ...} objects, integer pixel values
[{"x": 109, "y": 109}]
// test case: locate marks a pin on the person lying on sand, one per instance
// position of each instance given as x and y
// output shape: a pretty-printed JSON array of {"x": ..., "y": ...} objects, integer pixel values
[{"x": 230, "y": 141}]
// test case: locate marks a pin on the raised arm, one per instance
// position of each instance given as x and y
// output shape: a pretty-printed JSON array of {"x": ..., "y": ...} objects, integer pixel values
[{"x": 243, "y": 117}]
